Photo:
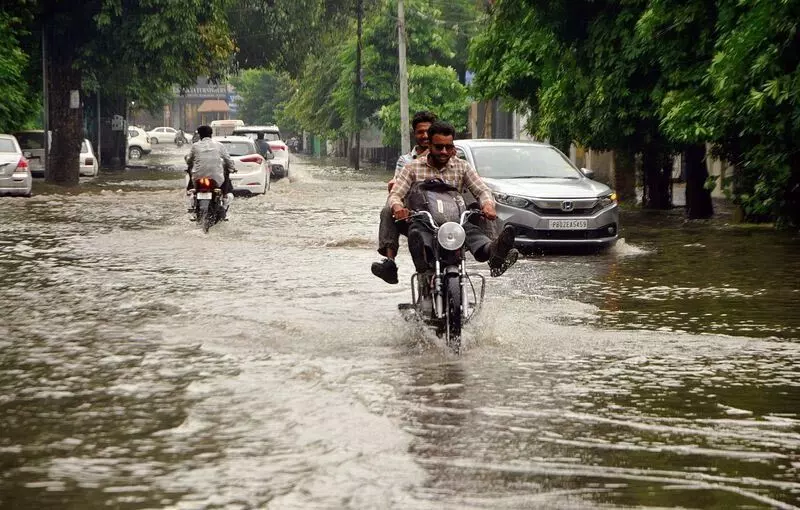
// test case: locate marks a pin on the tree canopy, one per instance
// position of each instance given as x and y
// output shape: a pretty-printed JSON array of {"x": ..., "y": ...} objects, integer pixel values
[{"x": 664, "y": 75}]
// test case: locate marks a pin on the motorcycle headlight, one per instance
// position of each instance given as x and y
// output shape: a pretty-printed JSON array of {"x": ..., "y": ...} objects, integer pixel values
[
  {"x": 607, "y": 200},
  {"x": 512, "y": 200},
  {"x": 451, "y": 236}
]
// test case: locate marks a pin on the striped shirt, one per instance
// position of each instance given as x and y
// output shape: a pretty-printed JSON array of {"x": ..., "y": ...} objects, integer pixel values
[
  {"x": 405, "y": 159},
  {"x": 457, "y": 173}
]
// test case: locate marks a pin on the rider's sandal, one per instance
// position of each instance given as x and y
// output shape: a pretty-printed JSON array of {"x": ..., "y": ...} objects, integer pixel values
[{"x": 497, "y": 269}]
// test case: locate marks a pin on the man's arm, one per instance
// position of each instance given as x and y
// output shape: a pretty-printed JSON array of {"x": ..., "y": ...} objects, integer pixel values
[
  {"x": 227, "y": 162},
  {"x": 403, "y": 183},
  {"x": 481, "y": 191},
  {"x": 190, "y": 160},
  {"x": 476, "y": 186}
]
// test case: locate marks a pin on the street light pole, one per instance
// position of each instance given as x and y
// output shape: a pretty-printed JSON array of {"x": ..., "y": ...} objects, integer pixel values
[
  {"x": 405, "y": 142},
  {"x": 358, "y": 86}
]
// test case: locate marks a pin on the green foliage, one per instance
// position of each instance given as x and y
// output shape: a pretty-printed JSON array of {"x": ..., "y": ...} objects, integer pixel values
[
  {"x": 427, "y": 85},
  {"x": 630, "y": 74},
  {"x": 437, "y": 38},
  {"x": 19, "y": 104},
  {"x": 264, "y": 95}
]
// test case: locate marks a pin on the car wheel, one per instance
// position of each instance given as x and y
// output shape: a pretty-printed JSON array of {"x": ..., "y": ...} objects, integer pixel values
[
  {"x": 135, "y": 153},
  {"x": 154, "y": 141}
]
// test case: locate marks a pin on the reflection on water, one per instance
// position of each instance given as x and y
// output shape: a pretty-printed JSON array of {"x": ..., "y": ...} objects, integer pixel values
[{"x": 147, "y": 365}]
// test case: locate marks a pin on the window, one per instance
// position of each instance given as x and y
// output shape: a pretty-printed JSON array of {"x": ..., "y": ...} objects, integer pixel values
[
  {"x": 239, "y": 148},
  {"x": 7, "y": 145},
  {"x": 33, "y": 140},
  {"x": 523, "y": 161}
]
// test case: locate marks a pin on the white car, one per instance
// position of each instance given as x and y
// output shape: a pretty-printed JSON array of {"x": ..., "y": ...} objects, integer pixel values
[
  {"x": 272, "y": 134},
  {"x": 252, "y": 169},
  {"x": 88, "y": 161},
  {"x": 15, "y": 174},
  {"x": 138, "y": 143},
  {"x": 162, "y": 135}
]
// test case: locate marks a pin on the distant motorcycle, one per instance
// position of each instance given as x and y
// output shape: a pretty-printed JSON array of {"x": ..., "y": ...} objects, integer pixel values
[
  {"x": 180, "y": 138},
  {"x": 208, "y": 202},
  {"x": 446, "y": 298}
]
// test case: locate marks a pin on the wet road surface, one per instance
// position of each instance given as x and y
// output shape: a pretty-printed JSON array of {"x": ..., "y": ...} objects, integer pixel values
[{"x": 147, "y": 365}]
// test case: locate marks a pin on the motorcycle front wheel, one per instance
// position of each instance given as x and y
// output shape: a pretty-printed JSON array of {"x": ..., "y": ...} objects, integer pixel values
[{"x": 453, "y": 315}]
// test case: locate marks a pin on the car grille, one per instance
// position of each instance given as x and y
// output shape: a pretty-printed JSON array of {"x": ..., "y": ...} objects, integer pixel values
[
  {"x": 571, "y": 235},
  {"x": 559, "y": 212}
]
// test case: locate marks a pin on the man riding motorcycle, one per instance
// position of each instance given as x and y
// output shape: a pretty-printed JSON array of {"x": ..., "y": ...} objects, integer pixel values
[
  {"x": 440, "y": 165},
  {"x": 209, "y": 158},
  {"x": 389, "y": 231}
]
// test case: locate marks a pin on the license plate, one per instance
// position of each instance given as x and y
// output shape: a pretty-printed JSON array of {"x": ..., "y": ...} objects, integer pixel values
[
  {"x": 204, "y": 196},
  {"x": 569, "y": 224}
]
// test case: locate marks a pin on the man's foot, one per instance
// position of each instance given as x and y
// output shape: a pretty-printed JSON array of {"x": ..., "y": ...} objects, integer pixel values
[
  {"x": 385, "y": 270},
  {"x": 503, "y": 254}
]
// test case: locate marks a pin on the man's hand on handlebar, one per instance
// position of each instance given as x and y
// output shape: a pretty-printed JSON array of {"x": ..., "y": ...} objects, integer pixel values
[
  {"x": 489, "y": 211},
  {"x": 400, "y": 213}
]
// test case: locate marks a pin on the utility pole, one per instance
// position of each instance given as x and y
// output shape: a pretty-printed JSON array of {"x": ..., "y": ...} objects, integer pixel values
[
  {"x": 405, "y": 143},
  {"x": 358, "y": 86}
]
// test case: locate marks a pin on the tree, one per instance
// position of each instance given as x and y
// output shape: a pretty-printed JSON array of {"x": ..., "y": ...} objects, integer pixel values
[
  {"x": 131, "y": 49},
  {"x": 19, "y": 103},
  {"x": 264, "y": 95},
  {"x": 578, "y": 68},
  {"x": 427, "y": 86}
]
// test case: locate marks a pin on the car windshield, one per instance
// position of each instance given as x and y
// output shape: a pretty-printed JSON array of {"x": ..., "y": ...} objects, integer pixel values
[
  {"x": 239, "y": 148},
  {"x": 30, "y": 140},
  {"x": 7, "y": 145},
  {"x": 522, "y": 161},
  {"x": 270, "y": 137}
]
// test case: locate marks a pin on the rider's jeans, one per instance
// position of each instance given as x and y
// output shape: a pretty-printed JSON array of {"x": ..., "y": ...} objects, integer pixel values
[
  {"x": 421, "y": 239},
  {"x": 389, "y": 231}
]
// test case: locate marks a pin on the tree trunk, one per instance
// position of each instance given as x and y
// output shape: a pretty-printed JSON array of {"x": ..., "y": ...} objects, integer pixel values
[
  {"x": 625, "y": 176},
  {"x": 656, "y": 167},
  {"x": 66, "y": 123},
  {"x": 698, "y": 198}
]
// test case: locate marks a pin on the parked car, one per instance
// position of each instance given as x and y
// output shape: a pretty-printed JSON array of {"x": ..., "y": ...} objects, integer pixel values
[
  {"x": 15, "y": 175},
  {"x": 252, "y": 170},
  {"x": 33, "y": 148},
  {"x": 543, "y": 195},
  {"x": 88, "y": 160},
  {"x": 162, "y": 135},
  {"x": 138, "y": 143},
  {"x": 280, "y": 165}
]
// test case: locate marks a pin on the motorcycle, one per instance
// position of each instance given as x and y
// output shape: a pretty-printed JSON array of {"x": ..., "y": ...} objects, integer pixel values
[
  {"x": 446, "y": 297},
  {"x": 208, "y": 202},
  {"x": 180, "y": 138}
]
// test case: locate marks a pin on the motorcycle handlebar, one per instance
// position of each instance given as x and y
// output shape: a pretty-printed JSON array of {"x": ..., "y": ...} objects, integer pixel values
[{"x": 429, "y": 217}]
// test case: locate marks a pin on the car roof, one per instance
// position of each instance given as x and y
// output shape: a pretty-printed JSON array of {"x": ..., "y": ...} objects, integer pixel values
[
  {"x": 486, "y": 142},
  {"x": 3, "y": 135}
]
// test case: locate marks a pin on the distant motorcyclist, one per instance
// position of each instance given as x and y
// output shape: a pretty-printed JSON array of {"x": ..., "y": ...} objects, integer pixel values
[
  {"x": 209, "y": 158},
  {"x": 262, "y": 145}
]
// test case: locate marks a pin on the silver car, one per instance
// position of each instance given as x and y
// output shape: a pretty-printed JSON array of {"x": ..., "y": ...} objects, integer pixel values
[
  {"x": 15, "y": 174},
  {"x": 543, "y": 195}
]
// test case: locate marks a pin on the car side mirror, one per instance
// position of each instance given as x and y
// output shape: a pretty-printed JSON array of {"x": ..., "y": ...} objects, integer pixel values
[
  {"x": 588, "y": 173},
  {"x": 270, "y": 155}
]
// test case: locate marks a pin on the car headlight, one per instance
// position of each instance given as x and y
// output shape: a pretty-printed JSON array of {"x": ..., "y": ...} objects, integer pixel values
[
  {"x": 607, "y": 200},
  {"x": 451, "y": 236},
  {"x": 512, "y": 200}
]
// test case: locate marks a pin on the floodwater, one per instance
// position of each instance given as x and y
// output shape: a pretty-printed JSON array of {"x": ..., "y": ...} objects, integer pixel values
[{"x": 146, "y": 365}]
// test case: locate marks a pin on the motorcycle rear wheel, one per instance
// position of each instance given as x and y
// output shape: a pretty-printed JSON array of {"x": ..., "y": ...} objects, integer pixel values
[{"x": 453, "y": 315}]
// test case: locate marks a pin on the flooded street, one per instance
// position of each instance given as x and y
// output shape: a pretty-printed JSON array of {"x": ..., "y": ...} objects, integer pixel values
[{"x": 145, "y": 364}]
